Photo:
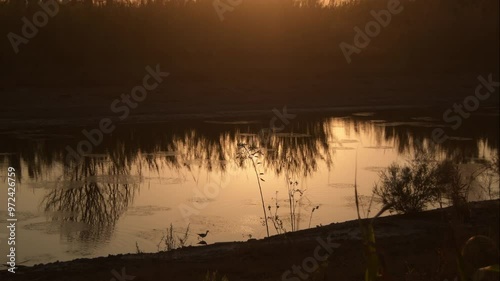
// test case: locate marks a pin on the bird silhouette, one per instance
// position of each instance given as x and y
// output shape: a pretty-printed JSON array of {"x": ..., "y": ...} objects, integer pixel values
[{"x": 202, "y": 235}]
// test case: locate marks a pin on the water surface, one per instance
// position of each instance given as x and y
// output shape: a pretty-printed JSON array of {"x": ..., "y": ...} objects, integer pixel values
[{"x": 144, "y": 177}]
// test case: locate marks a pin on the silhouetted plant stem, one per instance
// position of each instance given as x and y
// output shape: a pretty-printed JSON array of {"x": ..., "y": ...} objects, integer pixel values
[
  {"x": 311, "y": 216},
  {"x": 260, "y": 187},
  {"x": 290, "y": 200}
]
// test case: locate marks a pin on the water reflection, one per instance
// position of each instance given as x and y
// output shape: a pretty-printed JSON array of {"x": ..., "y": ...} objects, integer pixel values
[
  {"x": 93, "y": 194},
  {"x": 209, "y": 145},
  {"x": 97, "y": 191}
]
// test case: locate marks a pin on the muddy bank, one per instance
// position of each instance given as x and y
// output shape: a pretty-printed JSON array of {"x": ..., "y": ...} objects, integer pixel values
[{"x": 415, "y": 247}]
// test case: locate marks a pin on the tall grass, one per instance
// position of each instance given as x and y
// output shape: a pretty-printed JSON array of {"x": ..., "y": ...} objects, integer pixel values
[
  {"x": 213, "y": 276},
  {"x": 295, "y": 206},
  {"x": 172, "y": 241},
  {"x": 91, "y": 43},
  {"x": 375, "y": 265},
  {"x": 295, "y": 197},
  {"x": 253, "y": 153}
]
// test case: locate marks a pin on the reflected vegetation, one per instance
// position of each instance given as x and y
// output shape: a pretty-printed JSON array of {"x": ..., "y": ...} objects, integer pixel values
[
  {"x": 98, "y": 190},
  {"x": 94, "y": 193}
]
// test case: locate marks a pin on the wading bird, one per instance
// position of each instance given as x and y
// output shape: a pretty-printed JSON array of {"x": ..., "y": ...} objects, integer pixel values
[{"x": 202, "y": 235}]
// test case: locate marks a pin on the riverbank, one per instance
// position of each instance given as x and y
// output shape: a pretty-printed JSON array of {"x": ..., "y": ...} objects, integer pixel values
[{"x": 414, "y": 247}]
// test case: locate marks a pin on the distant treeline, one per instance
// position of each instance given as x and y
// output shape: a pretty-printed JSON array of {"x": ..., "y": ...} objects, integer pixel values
[{"x": 100, "y": 42}]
